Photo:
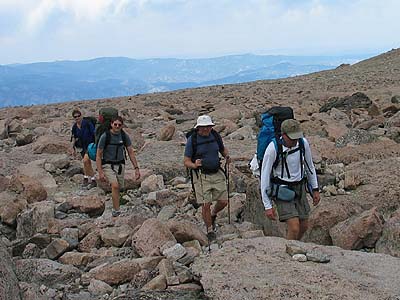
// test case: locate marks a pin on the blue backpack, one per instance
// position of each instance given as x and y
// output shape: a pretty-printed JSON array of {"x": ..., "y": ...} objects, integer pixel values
[{"x": 270, "y": 129}]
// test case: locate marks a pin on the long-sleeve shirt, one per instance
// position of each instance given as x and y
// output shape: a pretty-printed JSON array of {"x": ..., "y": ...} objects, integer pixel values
[{"x": 294, "y": 164}]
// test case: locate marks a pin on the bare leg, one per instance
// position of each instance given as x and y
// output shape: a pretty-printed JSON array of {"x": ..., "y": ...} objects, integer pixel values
[
  {"x": 115, "y": 195},
  {"x": 303, "y": 228},
  {"x": 206, "y": 212},
  {"x": 293, "y": 229},
  {"x": 220, "y": 205},
  {"x": 87, "y": 166}
]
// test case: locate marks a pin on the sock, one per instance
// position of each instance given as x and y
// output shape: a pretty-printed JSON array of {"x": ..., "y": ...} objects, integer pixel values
[
  {"x": 85, "y": 176},
  {"x": 93, "y": 178}
]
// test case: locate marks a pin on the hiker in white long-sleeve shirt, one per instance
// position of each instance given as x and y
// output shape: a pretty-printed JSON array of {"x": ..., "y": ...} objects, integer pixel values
[{"x": 286, "y": 168}]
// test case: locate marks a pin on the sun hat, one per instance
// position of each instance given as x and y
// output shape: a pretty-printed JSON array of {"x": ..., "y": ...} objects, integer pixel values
[
  {"x": 204, "y": 120},
  {"x": 292, "y": 129}
]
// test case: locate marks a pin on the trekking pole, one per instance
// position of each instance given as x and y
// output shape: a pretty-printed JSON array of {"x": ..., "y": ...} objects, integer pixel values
[{"x": 227, "y": 187}]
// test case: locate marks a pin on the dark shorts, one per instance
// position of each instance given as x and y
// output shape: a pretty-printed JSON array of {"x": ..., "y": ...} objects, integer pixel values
[{"x": 298, "y": 208}]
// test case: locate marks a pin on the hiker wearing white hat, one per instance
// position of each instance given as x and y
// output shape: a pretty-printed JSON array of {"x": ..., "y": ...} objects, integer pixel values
[{"x": 208, "y": 179}]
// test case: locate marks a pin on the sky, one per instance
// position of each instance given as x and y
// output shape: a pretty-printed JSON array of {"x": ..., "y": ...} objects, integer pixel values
[{"x": 48, "y": 30}]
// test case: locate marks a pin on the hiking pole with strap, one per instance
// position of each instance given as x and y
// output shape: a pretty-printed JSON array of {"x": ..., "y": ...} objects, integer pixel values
[{"x": 227, "y": 187}]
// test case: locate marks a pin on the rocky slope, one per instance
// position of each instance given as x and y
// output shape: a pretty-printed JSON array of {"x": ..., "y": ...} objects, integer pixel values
[{"x": 65, "y": 244}]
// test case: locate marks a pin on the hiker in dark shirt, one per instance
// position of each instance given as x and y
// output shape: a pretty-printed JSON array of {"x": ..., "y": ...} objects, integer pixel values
[
  {"x": 110, "y": 159},
  {"x": 82, "y": 135},
  {"x": 209, "y": 180}
]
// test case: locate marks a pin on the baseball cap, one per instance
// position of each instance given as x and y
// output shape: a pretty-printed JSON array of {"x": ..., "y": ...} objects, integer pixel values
[{"x": 292, "y": 129}]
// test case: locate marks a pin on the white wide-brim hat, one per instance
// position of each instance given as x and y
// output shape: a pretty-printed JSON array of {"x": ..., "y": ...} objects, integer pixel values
[{"x": 204, "y": 121}]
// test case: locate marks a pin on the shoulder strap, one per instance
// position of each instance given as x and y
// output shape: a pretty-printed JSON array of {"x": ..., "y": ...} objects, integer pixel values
[
  {"x": 194, "y": 144},
  {"x": 123, "y": 135},
  {"x": 303, "y": 156},
  {"x": 218, "y": 138}
]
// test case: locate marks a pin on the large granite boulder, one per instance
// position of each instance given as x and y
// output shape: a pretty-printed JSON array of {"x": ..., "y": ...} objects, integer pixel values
[
  {"x": 9, "y": 288},
  {"x": 261, "y": 269}
]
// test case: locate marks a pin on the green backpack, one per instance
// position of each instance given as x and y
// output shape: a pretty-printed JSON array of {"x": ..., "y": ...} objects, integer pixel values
[
  {"x": 103, "y": 124},
  {"x": 106, "y": 114}
]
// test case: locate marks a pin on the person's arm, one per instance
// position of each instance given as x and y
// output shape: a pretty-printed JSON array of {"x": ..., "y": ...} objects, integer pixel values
[
  {"x": 225, "y": 154},
  {"x": 187, "y": 161},
  {"x": 312, "y": 173},
  {"x": 132, "y": 157},
  {"x": 268, "y": 161}
]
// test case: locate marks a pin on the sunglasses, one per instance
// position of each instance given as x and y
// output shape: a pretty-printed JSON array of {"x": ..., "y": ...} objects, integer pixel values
[
  {"x": 77, "y": 116},
  {"x": 117, "y": 124}
]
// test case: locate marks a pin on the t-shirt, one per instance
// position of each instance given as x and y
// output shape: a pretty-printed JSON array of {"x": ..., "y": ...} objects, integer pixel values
[
  {"x": 207, "y": 151},
  {"x": 114, "y": 152}
]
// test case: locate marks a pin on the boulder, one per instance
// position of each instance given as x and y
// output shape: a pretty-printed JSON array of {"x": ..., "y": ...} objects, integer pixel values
[
  {"x": 151, "y": 237},
  {"x": 357, "y": 275},
  {"x": 51, "y": 145},
  {"x": 78, "y": 259},
  {"x": 152, "y": 183},
  {"x": 169, "y": 163},
  {"x": 37, "y": 219},
  {"x": 393, "y": 121},
  {"x": 35, "y": 169},
  {"x": 253, "y": 211},
  {"x": 357, "y": 100},
  {"x": 325, "y": 216},
  {"x": 358, "y": 231},
  {"x": 9, "y": 288},
  {"x": 56, "y": 248},
  {"x": 115, "y": 236},
  {"x": 118, "y": 272},
  {"x": 389, "y": 242},
  {"x": 45, "y": 271},
  {"x": 29, "y": 188},
  {"x": 10, "y": 206},
  {"x": 93, "y": 205},
  {"x": 167, "y": 132},
  {"x": 185, "y": 231}
]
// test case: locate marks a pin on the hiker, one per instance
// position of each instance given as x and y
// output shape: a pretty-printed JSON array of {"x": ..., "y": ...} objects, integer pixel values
[
  {"x": 201, "y": 156},
  {"x": 286, "y": 183},
  {"x": 110, "y": 159},
  {"x": 82, "y": 134}
]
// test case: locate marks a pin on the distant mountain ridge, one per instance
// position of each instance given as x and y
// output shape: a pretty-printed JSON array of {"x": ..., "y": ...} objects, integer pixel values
[{"x": 50, "y": 82}]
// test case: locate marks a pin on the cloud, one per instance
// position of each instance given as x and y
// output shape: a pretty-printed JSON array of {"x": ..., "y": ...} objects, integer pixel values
[{"x": 77, "y": 29}]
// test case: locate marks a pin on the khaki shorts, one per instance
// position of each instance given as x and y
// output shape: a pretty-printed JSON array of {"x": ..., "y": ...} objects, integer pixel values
[
  {"x": 113, "y": 175},
  {"x": 210, "y": 187},
  {"x": 298, "y": 208}
]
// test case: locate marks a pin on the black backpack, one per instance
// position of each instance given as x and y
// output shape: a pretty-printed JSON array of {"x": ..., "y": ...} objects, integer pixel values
[{"x": 193, "y": 133}]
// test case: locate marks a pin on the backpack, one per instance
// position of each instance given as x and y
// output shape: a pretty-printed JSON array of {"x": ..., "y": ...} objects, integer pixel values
[
  {"x": 270, "y": 129},
  {"x": 193, "y": 134},
  {"x": 103, "y": 125}
]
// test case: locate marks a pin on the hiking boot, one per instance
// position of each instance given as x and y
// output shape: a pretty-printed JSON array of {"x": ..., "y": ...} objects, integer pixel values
[
  {"x": 213, "y": 223},
  {"x": 92, "y": 184},
  {"x": 115, "y": 213},
  {"x": 85, "y": 182},
  {"x": 212, "y": 236}
]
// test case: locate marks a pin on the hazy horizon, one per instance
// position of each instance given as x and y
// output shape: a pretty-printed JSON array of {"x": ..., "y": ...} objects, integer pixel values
[{"x": 57, "y": 30}]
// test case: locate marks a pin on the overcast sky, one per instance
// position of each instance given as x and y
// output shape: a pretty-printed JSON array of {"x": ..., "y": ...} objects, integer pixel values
[{"x": 48, "y": 30}]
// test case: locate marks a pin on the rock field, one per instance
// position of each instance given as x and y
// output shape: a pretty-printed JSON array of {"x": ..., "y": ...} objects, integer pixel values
[{"x": 59, "y": 240}]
